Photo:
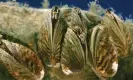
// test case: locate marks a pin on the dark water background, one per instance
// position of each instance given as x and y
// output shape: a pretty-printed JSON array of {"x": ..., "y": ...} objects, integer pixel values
[{"x": 124, "y": 7}]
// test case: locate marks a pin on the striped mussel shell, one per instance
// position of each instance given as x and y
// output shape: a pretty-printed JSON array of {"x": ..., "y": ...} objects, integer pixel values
[
  {"x": 109, "y": 40},
  {"x": 21, "y": 62}
]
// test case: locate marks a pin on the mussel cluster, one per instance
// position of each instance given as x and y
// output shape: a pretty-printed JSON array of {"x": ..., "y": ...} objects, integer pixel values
[{"x": 63, "y": 43}]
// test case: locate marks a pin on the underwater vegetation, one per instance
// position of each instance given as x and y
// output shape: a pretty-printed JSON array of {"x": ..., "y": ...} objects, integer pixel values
[{"x": 64, "y": 43}]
